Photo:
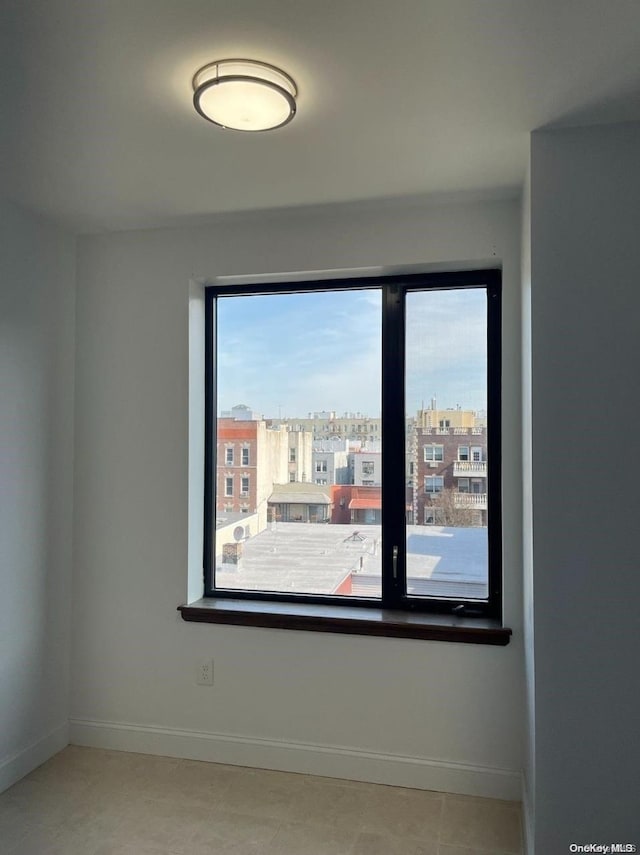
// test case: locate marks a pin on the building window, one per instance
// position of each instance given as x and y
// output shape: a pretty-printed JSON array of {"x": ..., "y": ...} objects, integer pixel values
[
  {"x": 463, "y": 485},
  {"x": 245, "y": 456},
  {"x": 434, "y": 484},
  {"x": 424, "y": 332},
  {"x": 433, "y": 453},
  {"x": 228, "y": 456}
]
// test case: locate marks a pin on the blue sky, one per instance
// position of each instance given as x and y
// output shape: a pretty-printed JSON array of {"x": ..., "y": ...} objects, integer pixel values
[{"x": 291, "y": 354}]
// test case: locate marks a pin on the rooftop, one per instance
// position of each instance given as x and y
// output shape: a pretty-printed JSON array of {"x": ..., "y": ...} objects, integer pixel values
[
  {"x": 225, "y": 518},
  {"x": 300, "y": 493},
  {"x": 314, "y": 559},
  {"x": 366, "y": 498}
]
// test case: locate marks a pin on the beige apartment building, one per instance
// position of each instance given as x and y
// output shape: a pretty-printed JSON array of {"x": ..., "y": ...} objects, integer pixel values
[
  {"x": 432, "y": 417},
  {"x": 300, "y": 456},
  {"x": 326, "y": 424}
]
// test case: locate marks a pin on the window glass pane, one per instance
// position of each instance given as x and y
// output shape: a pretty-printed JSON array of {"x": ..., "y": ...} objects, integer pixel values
[
  {"x": 446, "y": 404},
  {"x": 298, "y": 522}
]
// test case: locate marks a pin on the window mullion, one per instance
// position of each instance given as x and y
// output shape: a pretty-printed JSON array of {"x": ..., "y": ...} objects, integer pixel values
[
  {"x": 211, "y": 442},
  {"x": 494, "y": 442},
  {"x": 393, "y": 449}
]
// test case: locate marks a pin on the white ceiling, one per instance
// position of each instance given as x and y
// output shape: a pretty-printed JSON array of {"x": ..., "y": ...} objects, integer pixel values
[{"x": 396, "y": 98}]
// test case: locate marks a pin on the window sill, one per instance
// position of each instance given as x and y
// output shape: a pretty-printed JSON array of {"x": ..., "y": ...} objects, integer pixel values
[{"x": 347, "y": 620}]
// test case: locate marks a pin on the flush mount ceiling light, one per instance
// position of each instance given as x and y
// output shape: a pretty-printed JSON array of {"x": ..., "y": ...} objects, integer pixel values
[{"x": 244, "y": 95}]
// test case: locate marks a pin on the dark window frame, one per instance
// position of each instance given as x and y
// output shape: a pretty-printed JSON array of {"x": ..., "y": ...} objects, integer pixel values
[{"x": 394, "y": 291}]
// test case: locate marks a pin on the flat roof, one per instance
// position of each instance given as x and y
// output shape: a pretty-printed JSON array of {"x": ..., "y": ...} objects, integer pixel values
[
  {"x": 282, "y": 498},
  {"x": 225, "y": 518},
  {"x": 312, "y": 558},
  {"x": 300, "y": 493}
]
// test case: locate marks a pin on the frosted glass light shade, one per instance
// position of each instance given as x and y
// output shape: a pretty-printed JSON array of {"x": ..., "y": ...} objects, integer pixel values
[{"x": 244, "y": 95}]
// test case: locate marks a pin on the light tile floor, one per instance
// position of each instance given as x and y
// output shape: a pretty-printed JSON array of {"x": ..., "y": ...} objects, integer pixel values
[{"x": 86, "y": 801}]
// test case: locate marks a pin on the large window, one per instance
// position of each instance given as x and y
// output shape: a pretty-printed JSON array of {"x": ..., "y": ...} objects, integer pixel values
[{"x": 418, "y": 355}]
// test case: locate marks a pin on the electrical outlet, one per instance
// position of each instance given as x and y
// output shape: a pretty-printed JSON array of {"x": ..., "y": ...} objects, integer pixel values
[{"x": 204, "y": 672}]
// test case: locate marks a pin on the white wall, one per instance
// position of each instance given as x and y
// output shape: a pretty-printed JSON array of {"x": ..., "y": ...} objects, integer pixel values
[
  {"x": 585, "y": 273},
  {"x": 426, "y": 713},
  {"x": 528, "y": 777},
  {"x": 37, "y": 270}
]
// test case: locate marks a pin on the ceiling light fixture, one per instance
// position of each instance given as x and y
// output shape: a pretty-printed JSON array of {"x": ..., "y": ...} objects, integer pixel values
[{"x": 244, "y": 95}]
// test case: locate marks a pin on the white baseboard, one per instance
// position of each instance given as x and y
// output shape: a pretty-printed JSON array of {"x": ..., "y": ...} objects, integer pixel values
[
  {"x": 13, "y": 768},
  {"x": 324, "y": 760},
  {"x": 527, "y": 819}
]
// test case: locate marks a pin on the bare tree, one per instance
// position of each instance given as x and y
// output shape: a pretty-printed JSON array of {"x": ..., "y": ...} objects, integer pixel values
[{"x": 449, "y": 512}]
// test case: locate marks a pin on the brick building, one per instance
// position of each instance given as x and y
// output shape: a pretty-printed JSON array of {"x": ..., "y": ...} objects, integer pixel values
[
  {"x": 450, "y": 476},
  {"x": 251, "y": 458}
]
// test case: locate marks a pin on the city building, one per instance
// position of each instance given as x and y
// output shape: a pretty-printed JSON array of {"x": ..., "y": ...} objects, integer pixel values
[
  {"x": 253, "y": 455},
  {"x": 356, "y": 505},
  {"x": 366, "y": 468},
  {"x": 326, "y": 424},
  {"x": 251, "y": 459},
  {"x": 304, "y": 503},
  {"x": 450, "y": 482},
  {"x": 432, "y": 417},
  {"x": 300, "y": 456},
  {"x": 241, "y": 413},
  {"x": 365, "y": 505},
  {"x": 331, "y": 461}
]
